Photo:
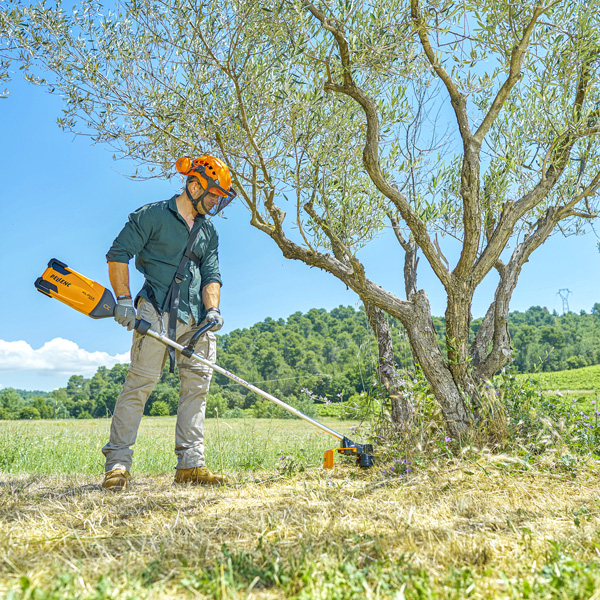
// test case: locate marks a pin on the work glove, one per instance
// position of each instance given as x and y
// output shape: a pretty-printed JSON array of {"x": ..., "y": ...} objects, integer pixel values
[
  {"x": 125, "y": 313},
  {"x": 214, "y": 315}
]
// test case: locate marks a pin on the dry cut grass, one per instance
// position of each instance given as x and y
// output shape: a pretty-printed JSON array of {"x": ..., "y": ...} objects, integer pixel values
[{"x": 487, "y": 527}]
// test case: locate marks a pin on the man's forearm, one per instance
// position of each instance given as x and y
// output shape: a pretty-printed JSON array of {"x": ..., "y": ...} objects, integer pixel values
[
  {"x": 211, "y": 294},
  {"x": 118, "y": 274}
]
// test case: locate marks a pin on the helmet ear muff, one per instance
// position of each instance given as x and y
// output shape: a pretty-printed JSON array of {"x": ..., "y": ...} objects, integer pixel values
[{"x": 184, "y": 165}]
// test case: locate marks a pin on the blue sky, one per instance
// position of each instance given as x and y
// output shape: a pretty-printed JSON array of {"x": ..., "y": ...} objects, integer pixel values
[{"x": 64, "y": 198}]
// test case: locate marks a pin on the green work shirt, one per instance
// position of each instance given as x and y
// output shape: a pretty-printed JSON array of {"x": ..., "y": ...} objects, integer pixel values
[{"x": 157, "y": 235}]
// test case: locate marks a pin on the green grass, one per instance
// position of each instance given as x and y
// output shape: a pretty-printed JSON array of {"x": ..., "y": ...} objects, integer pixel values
[
  {"x": 586, "y": 378},
  {"x": 74, "y": 446},
  {"x": 478, "y": 526},
  {"x": 265, "y": 575}
]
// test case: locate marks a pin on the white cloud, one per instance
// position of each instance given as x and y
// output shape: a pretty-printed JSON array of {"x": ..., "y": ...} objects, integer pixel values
[{"x": 57, "y": 357}]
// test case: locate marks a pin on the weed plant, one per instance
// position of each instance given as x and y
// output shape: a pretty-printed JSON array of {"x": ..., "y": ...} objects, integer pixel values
[
  {"x": 514, "y": 416},
  {"x": 540, "y": 421}
]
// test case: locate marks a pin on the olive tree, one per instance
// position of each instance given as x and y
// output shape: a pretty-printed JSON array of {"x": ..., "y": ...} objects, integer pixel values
[{"x": 474, "y": 120}]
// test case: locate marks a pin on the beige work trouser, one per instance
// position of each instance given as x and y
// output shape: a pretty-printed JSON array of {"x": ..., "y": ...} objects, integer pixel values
[{"x": 148, "y": 357}]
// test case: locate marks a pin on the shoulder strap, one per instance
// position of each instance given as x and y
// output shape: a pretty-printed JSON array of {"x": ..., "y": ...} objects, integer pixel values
[{"x": 172, "y": 300}]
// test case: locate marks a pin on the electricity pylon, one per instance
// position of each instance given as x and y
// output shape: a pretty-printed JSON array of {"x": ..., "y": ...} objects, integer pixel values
[{"x": 564, "y": 296}]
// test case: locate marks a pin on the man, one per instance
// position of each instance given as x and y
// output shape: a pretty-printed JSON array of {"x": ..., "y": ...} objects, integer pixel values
[{"x": 175, "y": 248}]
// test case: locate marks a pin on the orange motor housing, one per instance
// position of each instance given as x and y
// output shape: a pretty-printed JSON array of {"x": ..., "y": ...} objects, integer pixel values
[{"x": 75, "y": 290}]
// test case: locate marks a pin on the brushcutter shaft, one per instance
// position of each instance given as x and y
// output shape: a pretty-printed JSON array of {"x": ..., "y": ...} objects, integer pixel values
[
  {"x": 253, "y": 388},
  {"x": 90, "y": 298}
]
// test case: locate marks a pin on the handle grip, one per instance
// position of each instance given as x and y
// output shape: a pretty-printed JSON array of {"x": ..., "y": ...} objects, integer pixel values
[
  {"x": 189, "y": 349},
  {"x": 142, "y": 328}
]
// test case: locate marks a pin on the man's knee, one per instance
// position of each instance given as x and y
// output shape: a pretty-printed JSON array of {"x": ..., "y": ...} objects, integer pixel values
[{"x": 138, "y": 385}]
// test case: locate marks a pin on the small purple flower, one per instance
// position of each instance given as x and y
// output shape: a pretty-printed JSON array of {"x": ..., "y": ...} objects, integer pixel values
[{"x": 447, "y": 439}]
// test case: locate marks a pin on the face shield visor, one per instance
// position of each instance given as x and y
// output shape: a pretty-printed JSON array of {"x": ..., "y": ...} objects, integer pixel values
[{"x": 225, "y": 197}]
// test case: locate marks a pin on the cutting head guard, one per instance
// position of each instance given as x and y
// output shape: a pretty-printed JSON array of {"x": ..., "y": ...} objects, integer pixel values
[{"x": 214, "y": 177}]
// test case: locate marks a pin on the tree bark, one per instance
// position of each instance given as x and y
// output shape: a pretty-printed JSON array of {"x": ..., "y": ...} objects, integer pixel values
[
  {"x": 458, "y": 322},
  {"x": 402, "y": 409},
  {"x": 450, "y": 392}
]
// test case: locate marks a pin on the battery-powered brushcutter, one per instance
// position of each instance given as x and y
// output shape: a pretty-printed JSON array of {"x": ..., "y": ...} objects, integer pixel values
[{"x": 94, "y": 300}]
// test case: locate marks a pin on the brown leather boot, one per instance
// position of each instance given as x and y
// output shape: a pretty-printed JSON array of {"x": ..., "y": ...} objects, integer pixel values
[
  {"x": 197, "y": 476},
  {"x": 116, "y": 480}
]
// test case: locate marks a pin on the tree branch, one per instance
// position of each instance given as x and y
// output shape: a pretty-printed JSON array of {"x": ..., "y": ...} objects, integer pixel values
[
  {"x": 513, "y": 211},
  {"x": 588, "y": 191},
  {"x": 499, "y": 355},
  {"x": 457, "y": 99},
  {"x": 371, "y": 149},
  {"x": 411, "y": 260},
  {"x": 353, "y": 276},
  {"x": 516, "y": 62},
  {"x": 340, "y": 251},
  {"x": 469, "y": 186}
]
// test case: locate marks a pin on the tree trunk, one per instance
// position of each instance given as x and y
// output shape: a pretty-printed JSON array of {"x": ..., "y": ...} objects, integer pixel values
[
  {"x": 402, "y": 409},
  {"x": 448, "y": 390},
  {"x": 458, "y": 327}
]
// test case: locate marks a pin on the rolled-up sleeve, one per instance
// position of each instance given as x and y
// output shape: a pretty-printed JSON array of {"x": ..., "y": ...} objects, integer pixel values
[
  {"x": 209, "y": 267},
  {"x": 132, "y": 239}
]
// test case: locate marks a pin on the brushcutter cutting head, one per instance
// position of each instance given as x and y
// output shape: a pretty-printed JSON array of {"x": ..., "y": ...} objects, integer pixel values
[
  {"x": 363, "y": 453},
  {"x": 366, "y": 461}
]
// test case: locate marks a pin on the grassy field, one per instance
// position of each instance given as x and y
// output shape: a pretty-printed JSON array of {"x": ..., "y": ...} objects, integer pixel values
[
  {"x": 74, "y": 446},
  {"x": 584, "y": 379},
  {"x": 476, "y": 526}
]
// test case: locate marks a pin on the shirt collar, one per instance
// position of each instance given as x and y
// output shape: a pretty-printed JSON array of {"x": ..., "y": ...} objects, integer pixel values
[{"x": 173, "y": 208}]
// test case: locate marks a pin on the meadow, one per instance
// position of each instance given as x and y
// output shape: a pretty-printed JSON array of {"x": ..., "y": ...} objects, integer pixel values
[
  {"x": 71, "y": 446},
  {"x": 583, "y": 380},
  {"x": 466, "y": 524}
]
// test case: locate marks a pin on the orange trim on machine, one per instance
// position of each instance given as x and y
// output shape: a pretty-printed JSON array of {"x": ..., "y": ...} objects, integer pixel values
[{"x": 75, "y": 290}]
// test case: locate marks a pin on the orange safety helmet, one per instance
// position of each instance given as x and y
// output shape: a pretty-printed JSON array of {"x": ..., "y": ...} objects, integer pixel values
[
  {"x": 213, "y": 167},
  {"x": 214, "y": 177}
]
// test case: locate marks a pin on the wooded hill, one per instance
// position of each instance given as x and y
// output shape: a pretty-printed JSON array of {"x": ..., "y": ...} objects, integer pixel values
[{"x": 310, "y": 359}]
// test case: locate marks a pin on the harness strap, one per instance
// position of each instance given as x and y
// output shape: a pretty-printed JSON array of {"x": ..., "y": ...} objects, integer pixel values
[{"x": 171, "y": 304}]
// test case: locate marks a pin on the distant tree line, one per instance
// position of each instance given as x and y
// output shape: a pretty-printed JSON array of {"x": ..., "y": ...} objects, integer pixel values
[
  {"x": 544, "y": 341},
  {"x": 316, "y": 361}
]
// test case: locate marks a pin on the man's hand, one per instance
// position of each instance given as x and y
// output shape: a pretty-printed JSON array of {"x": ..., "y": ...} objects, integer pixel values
[
  {"x": 125, "y": 313},
  {"x": 214, "y": 315}
]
